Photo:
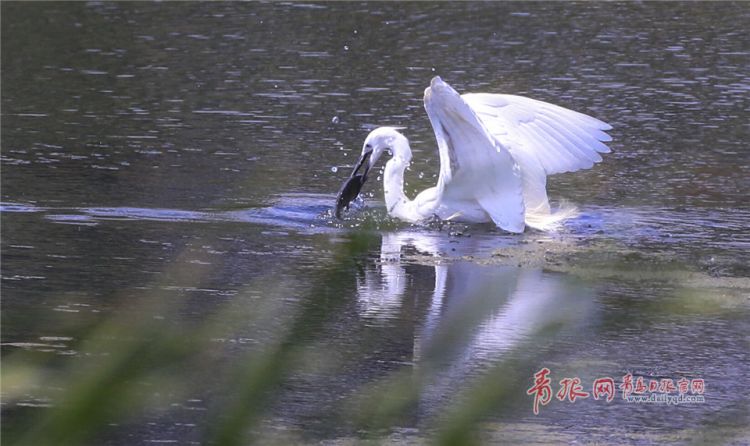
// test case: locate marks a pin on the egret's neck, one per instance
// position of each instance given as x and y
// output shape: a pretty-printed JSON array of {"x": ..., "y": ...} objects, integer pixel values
[{"x": 393, "y": 180}]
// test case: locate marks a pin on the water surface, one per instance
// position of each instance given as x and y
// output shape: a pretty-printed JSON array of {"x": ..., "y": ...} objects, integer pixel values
[{"x": 168, "y": 173}]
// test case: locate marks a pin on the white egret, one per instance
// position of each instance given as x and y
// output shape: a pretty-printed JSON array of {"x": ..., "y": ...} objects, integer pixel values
[{"x": 496, "y": 151}]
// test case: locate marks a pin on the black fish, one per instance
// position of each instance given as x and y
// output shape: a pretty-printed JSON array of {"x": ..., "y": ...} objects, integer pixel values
[
  {"x": 349, "y": 191},
  {"x": 353, "y": 185}
]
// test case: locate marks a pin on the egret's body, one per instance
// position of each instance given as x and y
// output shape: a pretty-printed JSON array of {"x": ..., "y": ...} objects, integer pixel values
[{"x": 495, "y": 154}]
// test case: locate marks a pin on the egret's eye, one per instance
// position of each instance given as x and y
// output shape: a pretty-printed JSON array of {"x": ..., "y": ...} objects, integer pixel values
[{"x": 368, "y": 147}]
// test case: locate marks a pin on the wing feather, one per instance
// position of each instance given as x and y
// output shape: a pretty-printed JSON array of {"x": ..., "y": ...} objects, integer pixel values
[
  {"x": 474, "y": 166},
  {"x": 556, "y": 136},
  {"x": 497, "y": 150},
  {"x": 562, "y": 140}
]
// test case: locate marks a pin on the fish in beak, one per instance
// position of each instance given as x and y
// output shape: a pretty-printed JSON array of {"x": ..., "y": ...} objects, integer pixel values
[{"x": 353, "y": 185}]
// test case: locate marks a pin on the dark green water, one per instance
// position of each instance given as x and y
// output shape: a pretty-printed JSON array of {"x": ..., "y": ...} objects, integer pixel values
[{"x": 171, "y": 273}]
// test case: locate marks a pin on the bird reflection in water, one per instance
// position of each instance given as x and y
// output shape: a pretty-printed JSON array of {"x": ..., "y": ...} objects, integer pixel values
[{"x": 476, "y": 314}]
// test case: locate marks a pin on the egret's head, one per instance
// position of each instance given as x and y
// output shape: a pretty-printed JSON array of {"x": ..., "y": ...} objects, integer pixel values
[
  {"x": 380, "y": 140},
  {"x": 384, "y": 139}
]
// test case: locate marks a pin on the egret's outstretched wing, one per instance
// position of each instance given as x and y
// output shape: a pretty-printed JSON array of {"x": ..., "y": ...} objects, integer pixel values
[
  {"x": 543, "y": 139},
  {"x": 561, "y": 140},
  {"x": 474, "y": 167}
]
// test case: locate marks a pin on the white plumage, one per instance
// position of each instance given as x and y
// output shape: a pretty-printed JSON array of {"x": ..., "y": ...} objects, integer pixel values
[{"x": 495, "y": 154}]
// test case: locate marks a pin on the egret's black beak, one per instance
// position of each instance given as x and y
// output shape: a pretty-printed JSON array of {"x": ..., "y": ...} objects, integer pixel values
[{"x": 351, "y": 187}]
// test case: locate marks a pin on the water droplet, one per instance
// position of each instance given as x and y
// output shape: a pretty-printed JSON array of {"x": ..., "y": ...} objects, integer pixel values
[
  {"x": 335, "y": 120},
  {"x": 334, "y": 169},
  {"x": 433, "y": 69},
  {"x": 421, "y": 175},
  {"x": 346, "y": 47}
]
